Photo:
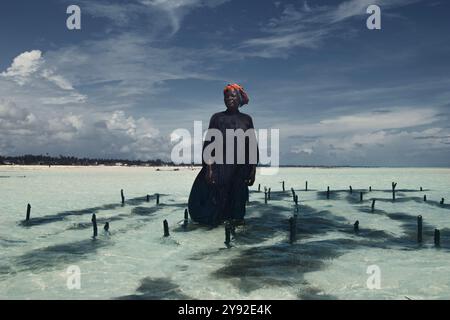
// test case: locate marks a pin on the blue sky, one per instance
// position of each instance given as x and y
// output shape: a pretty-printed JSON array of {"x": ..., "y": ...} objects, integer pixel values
[{"x": 339, "y": 93}]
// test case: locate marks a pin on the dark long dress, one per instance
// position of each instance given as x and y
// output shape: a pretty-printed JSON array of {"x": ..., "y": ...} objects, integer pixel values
[{"x": 211, "y": 204}]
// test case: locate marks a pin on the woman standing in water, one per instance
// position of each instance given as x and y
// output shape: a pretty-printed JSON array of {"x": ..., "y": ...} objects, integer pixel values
[{"x": 220, "y": 191}]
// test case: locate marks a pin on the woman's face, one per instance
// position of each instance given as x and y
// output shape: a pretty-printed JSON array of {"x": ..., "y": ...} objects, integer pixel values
[{"x": 231, "y": 99}]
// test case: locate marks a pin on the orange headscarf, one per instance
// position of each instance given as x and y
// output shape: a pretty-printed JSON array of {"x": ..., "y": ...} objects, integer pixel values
[{"x": 243, "y": 96}]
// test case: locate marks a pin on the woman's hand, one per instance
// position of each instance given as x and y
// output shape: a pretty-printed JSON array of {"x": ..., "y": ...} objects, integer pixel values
[{"x": 251, "y": 180}]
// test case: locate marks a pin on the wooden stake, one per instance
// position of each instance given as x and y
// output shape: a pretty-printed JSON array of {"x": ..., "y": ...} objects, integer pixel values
[
  {"x": 186, "y": 218},
  {"x": 94, "y": 225},
  {"x": 328, "y": 193},
  {"x": 351, "y": 190},
  {"x": 425, "y": 198},
  {"x": 437, "y": 238},
  {"x": 148, "y": 198},
  {"x": 361, "y": 195},
  {"x": 166, "y": 228},
  {"x": 259, "y": 187},
  {"x": 228, "y": 234},
  {"x": 356, "y": 226},
  {"x": 442, "y": 201},
  {"x": 283, "y": 187},
  {"x": 394, "y": 185},
  {"x": 122, "y": 196},
  {"x": 306, "y": 186},
  {"x": 28, "y": 212},
  {"x": 373, "y": 205}
]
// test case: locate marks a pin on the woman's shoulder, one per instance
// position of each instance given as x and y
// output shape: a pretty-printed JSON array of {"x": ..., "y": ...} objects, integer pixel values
[{"x": 246, "y": 116}]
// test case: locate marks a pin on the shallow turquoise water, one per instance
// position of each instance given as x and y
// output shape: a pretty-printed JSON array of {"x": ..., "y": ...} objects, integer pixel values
[{"x": 328, "y": 261}]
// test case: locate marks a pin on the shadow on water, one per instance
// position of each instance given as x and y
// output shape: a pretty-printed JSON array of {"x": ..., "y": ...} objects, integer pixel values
[
  {"x": 157, "y": 289},
  {"x": 61, "y": 254},
  {"x": 100, "y": 221},
  {"x": 35, "y": 221},
  {"x": 282, "y": 264}
]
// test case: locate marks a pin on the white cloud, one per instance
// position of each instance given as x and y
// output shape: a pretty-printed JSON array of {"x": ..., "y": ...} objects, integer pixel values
[
  {"x": 352, "y": 8},
  {"x": 308, "y": 26},
  {"x": 71, "y": 98},
  {"x": 57, "y": 79},
  {"x": 161, "y": 14},
  {"x": 95, "y": 134},
  {"x": 36, "y": 76},
  {"x": 9, "y": 111},
  {"x": 395, "y": 118},
  {"x": 23, "y": 66}
]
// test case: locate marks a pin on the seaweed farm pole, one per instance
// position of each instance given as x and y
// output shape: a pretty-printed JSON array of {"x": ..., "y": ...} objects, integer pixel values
[
  {"x": 28, "y": 212},
  {"x": 296, "y": 203},
  {"x": 370, "y": 189},
  {"x": 442, "y": 201},
  {"x": 419, "y": 229},
  {"x": 122, "y": 196},
  {"x": 259, "y": 187},
  {"x": 437, "y": 238},
  {"x": 328, "y": 192},
  {"x": 292, "y": 229},
  {"x": 106, "y": 227},
  {"x": 283, "y": 186},
  {"x": 227, "y": 234},
  {"x": 166, "y": 228},
  {"x": 425, "y": 198},
  {"x": 351, "y": 190},
  {"x": 373, "y": 205},
  {"x": 361, "y": 195},
  {"x": 148, "y": 198},
  {"x": 356, "y": 226},
  {"x": 293, "y": 194},
  {"x": 306, "y": 186},
  {"x": 268, "y": 195},
  {"x": 186, "y": 218},
  {"x": 94, "y": 225},
  {"x": 157, "y": 199},
  {"x": 265, "y": 195},
  {"x": 421, "y": 189},
  {"x": 394, "y": 184}
]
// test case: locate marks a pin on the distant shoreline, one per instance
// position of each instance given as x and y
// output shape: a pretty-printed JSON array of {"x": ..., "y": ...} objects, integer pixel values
[{"x": 174, "y": 167}]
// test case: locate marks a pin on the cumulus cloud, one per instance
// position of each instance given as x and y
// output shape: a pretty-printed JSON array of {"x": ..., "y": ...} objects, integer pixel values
[
  {"x": 23, "y": 66},
  {"x": 114, "y": 135},
  {"x": 381, "y": 137},
  {"x": 30, "y": 68}
]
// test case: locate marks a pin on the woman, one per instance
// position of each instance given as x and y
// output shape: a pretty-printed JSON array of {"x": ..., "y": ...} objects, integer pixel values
[{"x": 220, "y": 191}]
